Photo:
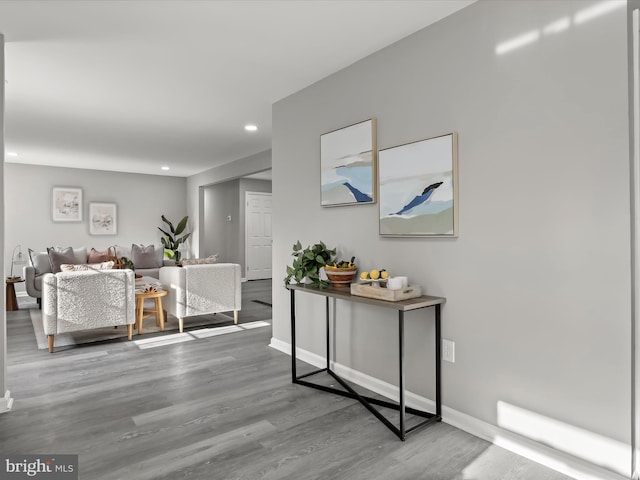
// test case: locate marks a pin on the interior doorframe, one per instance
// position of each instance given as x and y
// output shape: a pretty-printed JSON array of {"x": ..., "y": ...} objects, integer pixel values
[{"x": 246, "y": 231}]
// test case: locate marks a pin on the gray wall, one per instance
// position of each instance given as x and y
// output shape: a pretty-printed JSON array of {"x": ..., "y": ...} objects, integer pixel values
[
  {"x": 230, "y": 171},
  {"x": 3, "y": 322},
  {"x": 538, "y": 282},
  {"x": 220, "y": 236},
  {"x": 140, "y": 200}
]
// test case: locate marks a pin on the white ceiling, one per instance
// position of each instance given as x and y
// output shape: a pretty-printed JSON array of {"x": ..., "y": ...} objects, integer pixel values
[{"x": 134, "y": 85}]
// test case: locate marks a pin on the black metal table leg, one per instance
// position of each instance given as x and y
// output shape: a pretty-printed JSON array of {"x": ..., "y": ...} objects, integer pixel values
[
  {"x": 401, "y": 377},
  {"x": 438, "y": 364},
  {"x": 293, "y": 336},
  {"x": 327, "y": 312},
  {"x": 369, "y": 402}
]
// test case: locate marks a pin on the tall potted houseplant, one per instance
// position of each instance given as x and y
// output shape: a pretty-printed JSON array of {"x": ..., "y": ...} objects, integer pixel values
[
  {"x": 308, "y": 262},
  {"x": 172, "y": 239}
]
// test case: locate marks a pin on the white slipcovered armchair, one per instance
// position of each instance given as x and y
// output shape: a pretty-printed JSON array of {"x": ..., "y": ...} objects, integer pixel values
[
  {"x": 202, "y": 289},
  {"x": 83, "y": 300}
]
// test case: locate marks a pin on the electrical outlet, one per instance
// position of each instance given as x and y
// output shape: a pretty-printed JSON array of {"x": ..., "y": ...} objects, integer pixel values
[{"x": 448, "y": 350}]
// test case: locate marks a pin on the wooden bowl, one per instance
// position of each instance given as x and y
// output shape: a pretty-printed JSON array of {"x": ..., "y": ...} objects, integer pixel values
[{"x": 340, "y": 277}]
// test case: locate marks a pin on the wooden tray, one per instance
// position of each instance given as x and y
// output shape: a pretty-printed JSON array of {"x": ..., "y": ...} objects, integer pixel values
[{"x": 372, "y": 291}]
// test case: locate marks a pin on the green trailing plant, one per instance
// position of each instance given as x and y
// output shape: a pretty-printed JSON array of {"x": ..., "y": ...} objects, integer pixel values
[
  {"x": 127, "y": 263},
  {"x": 308, "y": 262},
  {"x": 172, "y": 239}
]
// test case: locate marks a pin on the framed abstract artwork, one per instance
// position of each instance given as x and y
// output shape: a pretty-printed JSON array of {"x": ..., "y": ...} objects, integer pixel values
[
  {"x": 419, "y": 188},
  {"x": 102, "y": 219},
  {"x": 66, "y": 204},
  {"x": 348, "y": 165}
]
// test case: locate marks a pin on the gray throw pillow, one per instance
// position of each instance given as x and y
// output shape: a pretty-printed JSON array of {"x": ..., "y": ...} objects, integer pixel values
[
  {"x": 57, "y": 258},
  {"x": 143, "y": 257},
  {"x": 40, "y": 262}
]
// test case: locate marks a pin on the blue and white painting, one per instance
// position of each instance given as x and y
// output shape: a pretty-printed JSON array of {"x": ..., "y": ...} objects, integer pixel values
[
  {"x": 418, "y": 188},
  {"x": 347, "y": 165}
]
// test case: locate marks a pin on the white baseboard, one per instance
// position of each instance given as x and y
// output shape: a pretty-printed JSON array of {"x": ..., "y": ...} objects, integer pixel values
[
  {"x": 520, "y": 445},
  {"x": 6, "y": 402}
]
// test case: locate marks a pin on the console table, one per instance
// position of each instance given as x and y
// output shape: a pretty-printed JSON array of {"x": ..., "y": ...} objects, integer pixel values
[{"x": 401, "y": 307}]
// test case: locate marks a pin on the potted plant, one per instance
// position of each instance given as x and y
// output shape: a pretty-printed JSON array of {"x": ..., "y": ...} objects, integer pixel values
[
  {"x": 128, "y": 263},
  {"x": 308, "y": 262},
  {"x": 171, "y": 240},
  {"x": 341, "y": 273}
]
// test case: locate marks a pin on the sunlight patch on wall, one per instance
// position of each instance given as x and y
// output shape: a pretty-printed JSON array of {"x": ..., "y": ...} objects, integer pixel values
[
  {"x": 561, "y": 25},
  {"x": 578, "y": 442},
  {"x": 517, "y": 42},
  {"x": 597, "y": 10},
  {"x": 557, "y": 26}
]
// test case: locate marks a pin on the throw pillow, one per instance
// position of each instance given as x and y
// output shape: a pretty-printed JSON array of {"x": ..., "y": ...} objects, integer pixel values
[
  {"x": 57, "y": 258},
  {"x": 40, "y": 262},
  {"x": 98, "y": 257},
  {"x": 80, "y": 253},
  {"x": 143, "y": 257},
  {"x": 82, "y": 267}
]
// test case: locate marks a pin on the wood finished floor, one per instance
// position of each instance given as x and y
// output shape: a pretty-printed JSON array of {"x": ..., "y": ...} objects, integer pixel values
[{"x": 220, "y": 408}]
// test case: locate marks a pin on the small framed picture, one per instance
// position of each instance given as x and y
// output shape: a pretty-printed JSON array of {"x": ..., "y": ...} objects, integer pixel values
[
  {"x": 66, "y": 204},
  {"x": 102, "y": 219}
]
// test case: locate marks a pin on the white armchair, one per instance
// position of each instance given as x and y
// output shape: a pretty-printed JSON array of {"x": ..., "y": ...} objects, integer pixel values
[
  {"x": 84, "y": 300},
  {"x": 202, "y": 289}
]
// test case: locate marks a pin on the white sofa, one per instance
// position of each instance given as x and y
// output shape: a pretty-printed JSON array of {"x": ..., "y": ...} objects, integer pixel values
[
  {"x": 40, "y": 265},
  {"x": 202, "y": 289},
  {"x": 84, "y": 300}
]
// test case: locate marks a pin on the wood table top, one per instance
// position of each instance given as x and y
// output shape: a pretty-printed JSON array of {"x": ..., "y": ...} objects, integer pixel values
[{"x": 345, "y": 294}]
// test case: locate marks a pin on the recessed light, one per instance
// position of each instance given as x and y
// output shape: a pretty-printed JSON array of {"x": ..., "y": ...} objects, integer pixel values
[
  {"x": 12, "y": 154},
  {"x": 165, "y": 168},
  {"x": 250, "y": 128}
]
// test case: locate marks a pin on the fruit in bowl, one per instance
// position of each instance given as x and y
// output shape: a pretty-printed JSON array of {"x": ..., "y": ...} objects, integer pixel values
[
  {"x": 341, "y": 273},
  {"x": 381, "y": 274}
]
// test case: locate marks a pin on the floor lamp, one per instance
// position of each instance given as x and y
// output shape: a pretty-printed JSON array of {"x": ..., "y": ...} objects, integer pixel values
[{"x": 19, "y": 260}]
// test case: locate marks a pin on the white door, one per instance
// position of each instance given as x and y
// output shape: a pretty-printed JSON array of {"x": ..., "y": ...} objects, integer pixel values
[{"x": 258, "y": 235}]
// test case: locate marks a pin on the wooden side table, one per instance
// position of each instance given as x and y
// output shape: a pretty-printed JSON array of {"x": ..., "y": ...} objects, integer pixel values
[
  {"x": 142, "y": 313},
  {"x": 12, "y": 301}
]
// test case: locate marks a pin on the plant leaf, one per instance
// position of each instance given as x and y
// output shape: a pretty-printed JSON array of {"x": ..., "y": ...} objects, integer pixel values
[
  {"x": 165, "y": 220},
  {"x": 166, "y": 233},
  {"x": 182, "y": 225}
]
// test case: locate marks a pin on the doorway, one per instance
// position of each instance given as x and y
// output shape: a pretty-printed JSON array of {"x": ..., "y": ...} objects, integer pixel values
[{"x": 258, "y": 235}]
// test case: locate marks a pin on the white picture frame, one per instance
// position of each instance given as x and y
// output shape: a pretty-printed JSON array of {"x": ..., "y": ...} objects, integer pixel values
[
  {"x": 103, "y": 219},
  {"x": 66, "y": 204}
]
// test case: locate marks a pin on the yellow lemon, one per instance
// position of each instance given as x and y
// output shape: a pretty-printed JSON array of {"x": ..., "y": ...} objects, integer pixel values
[
  {"x": 364, "y": 275},
  {"x": 384, "y": 275},
  {"x": 374, "y": 274}
]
